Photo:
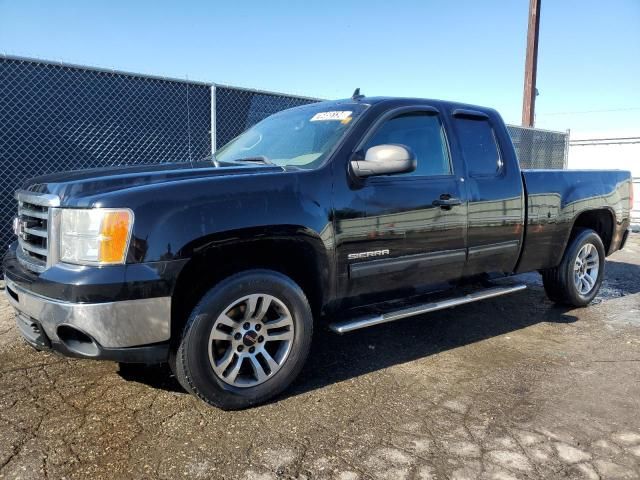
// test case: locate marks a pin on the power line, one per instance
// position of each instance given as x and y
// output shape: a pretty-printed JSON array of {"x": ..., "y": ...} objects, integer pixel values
[
  {"x": 577, "y": 144},
  {"x": 605, "y": 139},
  {"x": 629, "y": 109}
]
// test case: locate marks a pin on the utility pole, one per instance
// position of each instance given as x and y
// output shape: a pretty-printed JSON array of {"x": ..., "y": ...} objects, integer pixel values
[{"x": 531, "y": 65}]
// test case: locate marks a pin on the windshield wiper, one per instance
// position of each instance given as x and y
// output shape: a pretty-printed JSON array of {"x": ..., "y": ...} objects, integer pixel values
[{"x": 256, "y": 159}]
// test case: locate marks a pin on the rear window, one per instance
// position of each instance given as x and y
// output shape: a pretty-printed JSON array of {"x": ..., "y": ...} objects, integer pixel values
[{"x": 479, "y": 146}]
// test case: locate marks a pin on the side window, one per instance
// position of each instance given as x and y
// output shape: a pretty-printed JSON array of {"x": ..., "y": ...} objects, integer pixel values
[
  {"x": 479, "y": 146},
  {"x": 421, "y": 132}
]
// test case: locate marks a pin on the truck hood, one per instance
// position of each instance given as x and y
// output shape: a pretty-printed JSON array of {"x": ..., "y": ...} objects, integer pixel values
[{"x": 85, "y": 183}]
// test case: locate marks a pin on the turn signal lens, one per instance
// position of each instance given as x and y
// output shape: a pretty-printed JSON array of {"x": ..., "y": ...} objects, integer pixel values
[
  {"x": 114, "y": 237},
  {"x": 97, "y": 236}
]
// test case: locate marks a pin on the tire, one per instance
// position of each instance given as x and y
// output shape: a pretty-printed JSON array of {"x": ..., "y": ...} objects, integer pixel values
[
  {"x": 576, "y": 281},
  {"x": 245, "y": 341}
]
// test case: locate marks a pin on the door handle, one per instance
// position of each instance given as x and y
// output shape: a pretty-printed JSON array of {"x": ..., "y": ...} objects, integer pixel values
[{"x": 446, "y": 201}]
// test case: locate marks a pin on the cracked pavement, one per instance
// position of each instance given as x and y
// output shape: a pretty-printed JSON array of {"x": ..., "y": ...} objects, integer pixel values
[{"x": 513, "y": 387}]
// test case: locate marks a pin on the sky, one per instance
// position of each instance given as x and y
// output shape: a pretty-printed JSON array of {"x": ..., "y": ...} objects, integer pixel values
[{"x": 465, "y": 50}]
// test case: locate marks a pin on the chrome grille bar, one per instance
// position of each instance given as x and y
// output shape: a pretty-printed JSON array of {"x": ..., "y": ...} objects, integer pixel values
[
  {"x": 41, "y": 199},
  {"x": 39, "y": 232},
  {"x": 27, "y": 212},
  {"x": 31, "y": 248}
]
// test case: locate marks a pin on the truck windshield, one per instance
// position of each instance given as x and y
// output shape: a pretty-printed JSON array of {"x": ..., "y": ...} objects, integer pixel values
[{"x": 301, "y": 137}]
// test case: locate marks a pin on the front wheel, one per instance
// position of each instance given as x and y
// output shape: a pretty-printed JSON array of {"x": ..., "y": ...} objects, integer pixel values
[
  {"x": 245, "y": 341},
  {"x": 576, "y": 281}
]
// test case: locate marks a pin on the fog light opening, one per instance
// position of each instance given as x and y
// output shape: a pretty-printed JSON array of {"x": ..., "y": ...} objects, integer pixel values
[{"x": 77, "y": 341}]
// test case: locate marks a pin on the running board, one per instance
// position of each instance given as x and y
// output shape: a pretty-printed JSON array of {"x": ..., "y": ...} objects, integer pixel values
[{"x": 370, "y": 320}]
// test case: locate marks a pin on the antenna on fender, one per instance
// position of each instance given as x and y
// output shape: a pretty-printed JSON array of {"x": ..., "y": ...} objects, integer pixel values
[{"x": 356, "y": 95}]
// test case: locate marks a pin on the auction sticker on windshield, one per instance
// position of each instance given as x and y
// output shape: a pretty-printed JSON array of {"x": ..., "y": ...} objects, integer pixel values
[{"x": 336, "y": 115}]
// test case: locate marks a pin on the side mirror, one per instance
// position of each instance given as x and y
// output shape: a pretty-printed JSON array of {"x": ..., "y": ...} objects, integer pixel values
[{"x": 385, "y": 160}]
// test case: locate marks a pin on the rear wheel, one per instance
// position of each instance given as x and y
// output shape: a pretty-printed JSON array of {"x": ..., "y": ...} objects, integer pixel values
[
  {"x": 576, "y": 281},
  {"x": 245, "y": 341}
]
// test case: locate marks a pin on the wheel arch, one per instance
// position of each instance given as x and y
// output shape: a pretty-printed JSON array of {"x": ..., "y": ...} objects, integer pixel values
[
  {"x": 601, "y": 220},
  {"x": 292, "y": 250}
]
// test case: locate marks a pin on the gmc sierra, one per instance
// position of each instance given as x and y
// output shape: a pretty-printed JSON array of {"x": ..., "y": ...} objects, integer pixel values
[{"x": 330, "y": 212}]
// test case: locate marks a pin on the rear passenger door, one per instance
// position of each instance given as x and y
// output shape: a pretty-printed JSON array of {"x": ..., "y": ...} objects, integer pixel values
[{"x": 495, "y": 194}]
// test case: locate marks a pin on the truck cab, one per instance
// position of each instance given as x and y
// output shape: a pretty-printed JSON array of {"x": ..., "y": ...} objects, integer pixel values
[{"x": 459, "y": 213}]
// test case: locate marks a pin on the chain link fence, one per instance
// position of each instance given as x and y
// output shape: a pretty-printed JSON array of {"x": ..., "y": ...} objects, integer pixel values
[
  {"x": 538, "y": 148},
  {"x": 56, "y": 117},
  {"x": 237, "y": 109}
]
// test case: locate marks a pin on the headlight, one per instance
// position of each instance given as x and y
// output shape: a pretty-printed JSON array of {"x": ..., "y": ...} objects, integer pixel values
[{"x": 97, "y": 236}]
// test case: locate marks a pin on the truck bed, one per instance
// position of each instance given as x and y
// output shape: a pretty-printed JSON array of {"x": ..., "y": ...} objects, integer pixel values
[{"x": 555, "y": 200}]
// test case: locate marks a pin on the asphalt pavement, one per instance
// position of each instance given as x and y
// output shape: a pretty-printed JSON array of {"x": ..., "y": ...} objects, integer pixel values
[{"x": 513, "y": 387}]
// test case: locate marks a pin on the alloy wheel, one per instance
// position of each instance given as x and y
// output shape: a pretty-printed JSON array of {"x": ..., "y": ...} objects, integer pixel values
[
  {"x": 586, "y": 268},
  {"x": 251, "y": 340}
]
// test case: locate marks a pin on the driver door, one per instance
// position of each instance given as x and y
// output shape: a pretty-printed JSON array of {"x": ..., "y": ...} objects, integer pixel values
[{"x": 411, "y": 235}]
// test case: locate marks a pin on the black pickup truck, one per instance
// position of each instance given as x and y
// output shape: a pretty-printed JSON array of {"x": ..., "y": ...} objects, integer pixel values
[{"x": 326, "y": 214}]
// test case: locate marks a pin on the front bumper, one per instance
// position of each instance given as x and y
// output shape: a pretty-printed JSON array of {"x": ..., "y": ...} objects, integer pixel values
[{"x": 134, "y": 331}]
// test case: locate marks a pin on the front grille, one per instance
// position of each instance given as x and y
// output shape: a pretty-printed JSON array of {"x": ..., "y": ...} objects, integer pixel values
[{"x": 33, "y": 228}]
